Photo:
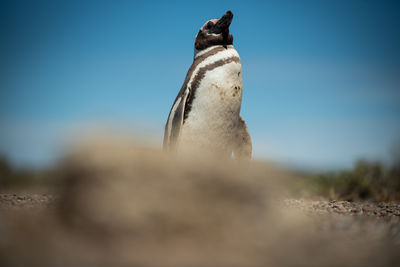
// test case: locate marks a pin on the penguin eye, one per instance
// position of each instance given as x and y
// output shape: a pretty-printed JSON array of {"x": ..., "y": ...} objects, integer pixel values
[{"x": 209, "y": 25}]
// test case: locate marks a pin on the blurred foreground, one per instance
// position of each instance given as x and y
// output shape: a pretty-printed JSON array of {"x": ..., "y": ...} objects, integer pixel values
[{"x": 119, "y": 204}]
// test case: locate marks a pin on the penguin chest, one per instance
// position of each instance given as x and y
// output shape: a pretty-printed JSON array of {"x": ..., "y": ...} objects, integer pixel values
[
  {"x": 215, "y": 109},
  {"x": 220, "y": 92}
]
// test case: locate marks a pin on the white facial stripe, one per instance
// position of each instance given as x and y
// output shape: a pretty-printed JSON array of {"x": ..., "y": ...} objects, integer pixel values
[
  {"x": 227, "y": 53},
  {"x": 171, "y": 116}
]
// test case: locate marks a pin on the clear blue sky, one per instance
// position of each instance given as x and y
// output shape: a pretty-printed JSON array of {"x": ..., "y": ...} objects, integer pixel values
[{"x": 321, "y": 78}]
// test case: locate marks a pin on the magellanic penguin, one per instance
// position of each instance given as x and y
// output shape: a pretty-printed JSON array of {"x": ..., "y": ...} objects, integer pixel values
[{"x": 205, "y": 116}]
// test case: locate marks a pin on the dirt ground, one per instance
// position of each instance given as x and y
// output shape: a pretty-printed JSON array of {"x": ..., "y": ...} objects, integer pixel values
[
  {"x": 123, "y": 206},
  {"x": 20, "y": 201},
  {"x": 341, "y": 226},
  {"x": 362, "y": 209}
]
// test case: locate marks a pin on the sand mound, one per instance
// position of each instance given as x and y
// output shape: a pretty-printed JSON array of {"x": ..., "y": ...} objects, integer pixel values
[{"x": 122, "y": 205}]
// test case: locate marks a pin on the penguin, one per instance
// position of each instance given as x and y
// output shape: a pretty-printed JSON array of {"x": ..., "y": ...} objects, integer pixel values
[{"x": 205, "y": 116}]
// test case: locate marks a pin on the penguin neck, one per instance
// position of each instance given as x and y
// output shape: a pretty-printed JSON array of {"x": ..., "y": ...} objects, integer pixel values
[{"x": 198, "y": 53}]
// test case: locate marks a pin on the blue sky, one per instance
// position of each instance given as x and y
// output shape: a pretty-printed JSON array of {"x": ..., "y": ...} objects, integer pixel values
[{"x": 321, "y": 78}]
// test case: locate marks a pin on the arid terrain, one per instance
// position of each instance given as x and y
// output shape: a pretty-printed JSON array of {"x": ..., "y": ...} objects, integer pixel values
[
  {"x": 379, "y": 211},
  {"x": 122, "y": 205}
]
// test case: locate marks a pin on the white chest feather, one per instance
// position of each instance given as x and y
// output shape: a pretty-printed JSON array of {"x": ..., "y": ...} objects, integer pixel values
[
  {"x": 215, "y": 109},
  {"x": 218, "y": 98}
]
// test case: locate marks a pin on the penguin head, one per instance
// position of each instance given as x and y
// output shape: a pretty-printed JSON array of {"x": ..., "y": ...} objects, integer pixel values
[{"x": 215, "y": 32}]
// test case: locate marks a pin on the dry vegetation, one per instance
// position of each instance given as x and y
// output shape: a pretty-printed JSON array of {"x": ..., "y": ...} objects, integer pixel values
[
  {"x": 366, "y": 181},
  {"x": 121, "y": 205}
]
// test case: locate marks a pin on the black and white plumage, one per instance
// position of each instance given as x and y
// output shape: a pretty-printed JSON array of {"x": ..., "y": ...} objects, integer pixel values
[{"x": 206, "y": 113}]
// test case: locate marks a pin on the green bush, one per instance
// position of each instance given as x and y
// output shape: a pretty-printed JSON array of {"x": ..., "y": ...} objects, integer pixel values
[
  {"x": 12, "y": 178},
  {"x": 367, "y": 180}
]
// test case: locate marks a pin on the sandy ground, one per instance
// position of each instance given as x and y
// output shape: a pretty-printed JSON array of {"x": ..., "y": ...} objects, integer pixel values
[
  {"x": 332, "y": 221},
  {"x": 123, "y": 206},
  {"x": 21, "y": 201},
  {"x": 362, "y": 209}
]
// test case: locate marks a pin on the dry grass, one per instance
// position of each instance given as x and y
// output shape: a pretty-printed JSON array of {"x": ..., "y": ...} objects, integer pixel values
[{"x": 366, "y": 181}]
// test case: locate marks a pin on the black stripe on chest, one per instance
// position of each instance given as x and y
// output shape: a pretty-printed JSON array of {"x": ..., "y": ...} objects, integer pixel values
[
  {"x": 199, "y": 76},
  {"x": 192, "y": 68}
]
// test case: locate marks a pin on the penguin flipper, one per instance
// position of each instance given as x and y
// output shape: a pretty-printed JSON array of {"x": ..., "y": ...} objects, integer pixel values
[
  {"x": 175, "y": 121},
  {"x": 242, "y": 148}
]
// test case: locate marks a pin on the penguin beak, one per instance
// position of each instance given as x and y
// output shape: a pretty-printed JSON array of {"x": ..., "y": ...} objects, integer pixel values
[{"x": 223, "y": 23}]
